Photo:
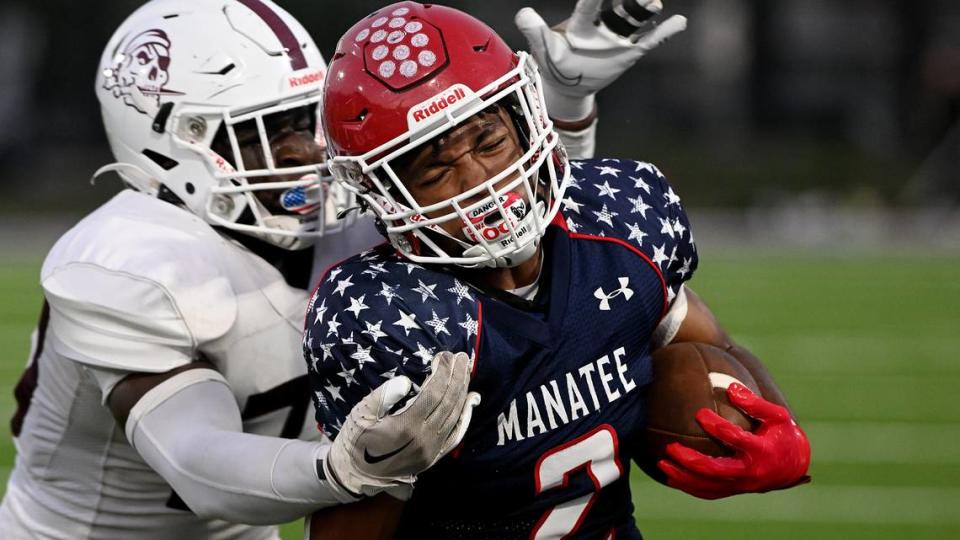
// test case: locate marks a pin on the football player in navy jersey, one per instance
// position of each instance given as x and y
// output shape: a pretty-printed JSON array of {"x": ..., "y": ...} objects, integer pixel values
[{"x": 557, "y": 279}]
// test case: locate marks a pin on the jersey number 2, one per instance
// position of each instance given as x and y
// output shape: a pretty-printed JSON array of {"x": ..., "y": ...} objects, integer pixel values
[{"x": 596, "y": 453}]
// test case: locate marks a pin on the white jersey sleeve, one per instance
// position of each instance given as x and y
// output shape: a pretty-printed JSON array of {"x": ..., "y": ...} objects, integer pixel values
[
  {"x": 117, "y": 298},
  {"x": 103, "y": 328},
  {"x": 200, "y": 457},
  {"x": 671, "y": 322}
]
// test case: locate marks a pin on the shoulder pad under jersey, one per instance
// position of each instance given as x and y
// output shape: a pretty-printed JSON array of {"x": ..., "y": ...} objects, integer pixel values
[
  {"x": 376, "y": 316},
  {"x": 632, "y": 202},
  {"x": 138, "y": 285}
]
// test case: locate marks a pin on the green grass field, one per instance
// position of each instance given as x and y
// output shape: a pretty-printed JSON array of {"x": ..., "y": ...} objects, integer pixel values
[{"x": 864, "y": 347}]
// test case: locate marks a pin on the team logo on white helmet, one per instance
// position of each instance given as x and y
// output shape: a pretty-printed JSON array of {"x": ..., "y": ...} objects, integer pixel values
[{"x": 140, "y": 71}]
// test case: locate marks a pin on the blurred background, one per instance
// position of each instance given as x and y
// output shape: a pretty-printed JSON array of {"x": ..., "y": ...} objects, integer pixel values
[{"x": 816, "y": 144}]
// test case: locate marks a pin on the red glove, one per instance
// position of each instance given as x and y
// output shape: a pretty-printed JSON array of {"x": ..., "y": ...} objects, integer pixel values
[{"x": 775, "y": 456}]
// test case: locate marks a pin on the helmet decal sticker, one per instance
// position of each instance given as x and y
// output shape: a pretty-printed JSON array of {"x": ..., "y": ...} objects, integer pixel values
[
  {"x": 140, "y": 71},
  {"x": 401, "y": 51}
]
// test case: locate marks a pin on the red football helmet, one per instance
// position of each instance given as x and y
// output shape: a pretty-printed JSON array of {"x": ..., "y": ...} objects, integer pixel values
[{"x": 410, "y": 72}]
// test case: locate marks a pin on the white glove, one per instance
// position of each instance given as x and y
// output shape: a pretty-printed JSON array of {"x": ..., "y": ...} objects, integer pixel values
[
  {"x": 379, "y": 449},
  {"x": 581, "y": 56}
]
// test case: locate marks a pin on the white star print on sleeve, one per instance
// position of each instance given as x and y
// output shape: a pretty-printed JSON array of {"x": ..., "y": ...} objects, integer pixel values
[
  {"x": 372, "y": 318},
  {"x": 638, "y": 207}
]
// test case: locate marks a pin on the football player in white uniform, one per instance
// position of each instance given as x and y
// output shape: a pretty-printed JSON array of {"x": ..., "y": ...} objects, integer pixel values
[{"x": 167, "y": 390}]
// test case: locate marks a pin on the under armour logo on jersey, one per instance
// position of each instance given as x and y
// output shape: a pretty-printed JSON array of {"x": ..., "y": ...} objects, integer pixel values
[{"x": 605, "y": 298}]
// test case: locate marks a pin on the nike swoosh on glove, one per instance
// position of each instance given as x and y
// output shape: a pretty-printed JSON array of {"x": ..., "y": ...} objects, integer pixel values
[
  {"x": 390, "y": 437},
  {"x": 775, "y": 456}
]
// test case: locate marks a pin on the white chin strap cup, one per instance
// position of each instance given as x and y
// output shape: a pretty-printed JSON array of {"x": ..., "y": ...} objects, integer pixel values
[{"x": 525, "y": 227}]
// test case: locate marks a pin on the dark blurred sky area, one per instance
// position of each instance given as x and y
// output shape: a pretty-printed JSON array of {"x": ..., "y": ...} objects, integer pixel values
[{"x": 853, "y": 101}]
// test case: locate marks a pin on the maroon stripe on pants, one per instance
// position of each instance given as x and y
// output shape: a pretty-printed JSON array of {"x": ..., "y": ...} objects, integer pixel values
[{"x": 281, "y": 30}]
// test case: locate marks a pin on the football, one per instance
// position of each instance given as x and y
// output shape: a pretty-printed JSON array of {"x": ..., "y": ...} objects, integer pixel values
[{"x": 686, "y": 378}]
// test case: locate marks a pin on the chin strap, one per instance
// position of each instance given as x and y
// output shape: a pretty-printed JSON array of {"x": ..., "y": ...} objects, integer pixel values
[
  {"x": 284, "y": 223},
  {"x": 519, "y": 217},
  {"x": 523, "y": 228},
  {"x": 269, "y": 227},
  {"x": 487, "y": 223}
]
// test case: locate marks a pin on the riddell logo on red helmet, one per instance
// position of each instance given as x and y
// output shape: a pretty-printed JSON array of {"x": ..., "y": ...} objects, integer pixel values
[
  {"x": 438, "y": 105},
  {"x": 449, "y": 98},
  {"x": 309, "y": 78}
]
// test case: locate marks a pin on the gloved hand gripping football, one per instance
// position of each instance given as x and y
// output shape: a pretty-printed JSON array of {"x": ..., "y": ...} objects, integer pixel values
[{"x": 775, "y": 456}]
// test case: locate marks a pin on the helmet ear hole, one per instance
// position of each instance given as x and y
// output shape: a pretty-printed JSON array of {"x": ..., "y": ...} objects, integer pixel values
[{"x": 190, "y": 188}]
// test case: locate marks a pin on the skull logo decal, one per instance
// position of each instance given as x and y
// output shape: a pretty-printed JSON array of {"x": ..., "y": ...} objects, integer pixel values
[{"x": 139, "y": 72}]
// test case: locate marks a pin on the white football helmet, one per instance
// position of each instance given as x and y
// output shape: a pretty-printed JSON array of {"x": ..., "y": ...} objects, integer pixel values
[{"x": 178, "y": 75}]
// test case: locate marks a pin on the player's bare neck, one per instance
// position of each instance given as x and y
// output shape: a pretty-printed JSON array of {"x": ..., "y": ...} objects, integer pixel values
[{"x": 507, "y": 279}]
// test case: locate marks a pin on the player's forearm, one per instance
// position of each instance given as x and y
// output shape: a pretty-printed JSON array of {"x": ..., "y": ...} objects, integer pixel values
[
  {"x": 768, "y": 388},
  {"x": 701, "y": 326},
  {"x": 190, "y": 432}
]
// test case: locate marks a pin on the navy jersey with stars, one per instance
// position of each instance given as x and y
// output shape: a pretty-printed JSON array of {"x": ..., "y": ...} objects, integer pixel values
[{"x": 548, "y": 450}]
